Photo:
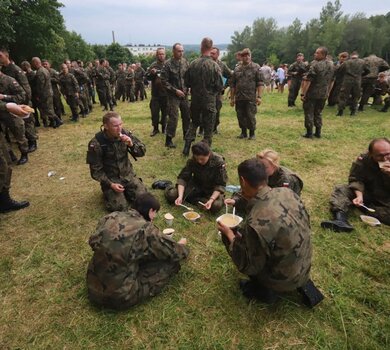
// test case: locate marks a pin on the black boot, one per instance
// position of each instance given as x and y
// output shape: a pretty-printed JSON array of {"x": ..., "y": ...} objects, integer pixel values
[
  {"x": 186, "y": 149},
  {"x": 32, "y": 146},
  {"x": 340, "y": 113},
  {"x": 8, "y": 204},
  {"x": 23, "y": 159},
  {"x": 169, "y": 143},
  {"x": 318, "y": 133},
  {"x": 154, "y": 132},
  {"x": 58, "y": 122},
  {"x": 12, "y": 155},
  {"x": 243, "y": 134},
  {"x": 385, "y": 109},
  {"x": 309, "y": 133},
  {"x": 361, "y": 108},
  {"x": 252, "y": 135},
  {"x": 353, "y": 112},
  {"x": 75, "y": 118},
  {"x": 339, "y": 224}
]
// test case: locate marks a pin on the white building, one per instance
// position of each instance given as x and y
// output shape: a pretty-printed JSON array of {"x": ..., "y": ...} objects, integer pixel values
[{"x": 142, "y": 49}]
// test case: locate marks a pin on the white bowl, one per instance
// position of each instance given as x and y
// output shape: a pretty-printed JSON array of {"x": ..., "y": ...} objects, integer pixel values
[
  {"x": 169, "y": 232},
  {"x": 229, "y": 220},
  {"x": 191, "y": 215},
  {"x": 369, "y": 220}
]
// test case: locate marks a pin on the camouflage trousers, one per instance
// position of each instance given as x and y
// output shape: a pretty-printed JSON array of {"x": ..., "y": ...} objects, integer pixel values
[
  {"x": 349, "y": 94},
  {"x": 174, "y": 105},
  {"x": 341, "y": 200},
  {"x": 130, "y": 93},
  {"x": 368, "y": 88},
  {"x": 193, "y": 195},
  {"x": 151, "y": 279},
  {"x": 120, "y": 91},
  {"x": 57, "y": 103},
  {"x": 5, "y": 162},
  {"x": 157, "y": 105},
  {"x": 246, "y": 114},
  {"x": 46, "y": 109},
  {"x": 73, "y": 103},
  {"x": 293, "y": 90},
  {"x": 83, "y": 100},
  {"x": 334, "y": 94},
  {"x": 17, "y": 128},
  {"x": 29, "y": 125},
  {"x": 312, "y": 108},
  {"x": 103, "y": 95},
  {"x": 218, "y": 106},
  {"x": 120, "y": 201},
  {"x": 139, "y": 90}
]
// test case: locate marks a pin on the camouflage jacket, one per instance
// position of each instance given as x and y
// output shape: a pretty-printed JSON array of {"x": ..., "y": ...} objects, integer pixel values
[
  {"x": 284, "y": 177},
  {"x": 172, "y": 75},
  {"x": 55, "y": 81},
  {"x": 376, "y": 65},
  {"x": 112, "y": 78},
  {"x": 69, "y": 84},
  {"x": 273, "y": 242},
  {"x": 320, "y": 74},
  {"x": 120, "y": 77},
  {"x": 139, "y": 74},
  {"x": 245, "y": 80},
  {"x": 130, "y": 78},
  {"x": 43, "y": 84},
  {"x": 80, "y": 75},
  {"x": 209, "y": 177},
  {"x": 15, "y": 72},
  {"x": 109, "y": 161},
  {"x": 353, "y": 70},
  {"x": 123, "y": 246},
  {"x": 366, "y": 176},
  {"x": 204, "y": 78},
  {"x": 158, "y": 89},
  {"x": 297, "y": 70},
  {"x": 102, "y": 76},
  {"x": 13, "y": 91}
]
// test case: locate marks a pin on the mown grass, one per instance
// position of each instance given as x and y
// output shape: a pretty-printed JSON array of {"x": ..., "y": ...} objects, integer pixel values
[{"x": 44, "y": 254}]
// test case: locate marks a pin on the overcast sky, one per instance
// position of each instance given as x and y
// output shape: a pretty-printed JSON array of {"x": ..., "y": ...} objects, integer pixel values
[{"x": 188, "y": 21}]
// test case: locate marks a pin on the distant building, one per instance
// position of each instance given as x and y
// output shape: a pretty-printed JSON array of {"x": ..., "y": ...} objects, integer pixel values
[
  {"x": 223, "y": 53},
  {"x": 142, "y": 49}
]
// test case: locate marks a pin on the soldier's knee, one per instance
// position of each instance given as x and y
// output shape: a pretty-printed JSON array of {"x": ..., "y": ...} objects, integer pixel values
[
  {"x": 171, "y": 194},
  {"x": 217, "y": 205}
]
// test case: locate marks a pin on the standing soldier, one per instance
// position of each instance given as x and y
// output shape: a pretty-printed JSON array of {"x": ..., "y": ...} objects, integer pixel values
[
  {"x": 295, "y": 73},
  {"x": 204, "y": 78},
  {"x": 172, "y": 77},
  {"x": 45, "y": 94},
  {"x": 316, "y": 85},
  {"x": 111, "y": 80},
  {"x": 102, "y": 77},
  {"x": 139, "y": 74},
  {"x": 227, "y": 74},
  {"x": 91, "y": 82},
  {"x": 120, "y": 89},
  {"x": 158, "y": 101},
  {"x": 30, "y": 74},
  {"x": 55, "y": 81},
  {"x": 338, "y": 79},
  {"x": 245, "y": 92},
  {"x": 82, "y": 80},
  {"x": 70, "y": 90},
  {"x": 130, "y": 84},
  {"x": 376, "y": 65}
]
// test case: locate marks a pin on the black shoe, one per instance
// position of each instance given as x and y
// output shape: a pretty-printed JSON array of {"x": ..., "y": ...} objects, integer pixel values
[
  {"x": 252, "y": 291},
  {"x": 252, "y": 135},
  {"x": 169, "y": 143},
  {"x": 58, "y": 122},
  {"x": 353, "y": 113},
  {"x": 311, "y": 295},
  {"x": 23, "y": 159},
  {"x": 339, "y": 224},
  {"x": 154, "y": 132},
  {"x": 318, "y": 133},
  {"x": 12, "y": 156},
  {"x": 74, "y": 119},
  {"x": 384, "y": 110},
  {"x": 340, "y": 113},
  {"x": 7, "y": 204},
  {"x": 308, "y": 135},
  {"x": 186, "y": 149},
  {"x": 32, "y": 146}
]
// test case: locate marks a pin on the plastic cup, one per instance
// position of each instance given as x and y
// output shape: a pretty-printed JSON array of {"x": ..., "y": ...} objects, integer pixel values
[{"x": 169, "y": 219}]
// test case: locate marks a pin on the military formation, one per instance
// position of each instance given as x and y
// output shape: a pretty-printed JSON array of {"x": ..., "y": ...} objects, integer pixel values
[{"x": 132, "y": 260}]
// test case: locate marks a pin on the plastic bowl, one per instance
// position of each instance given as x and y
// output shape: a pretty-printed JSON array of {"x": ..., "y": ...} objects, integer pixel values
[
  {"x": 369, "y": 220},
  {"x": 169, "y": 232},
  {"x": 229, "y": 220},
  {"x": 191, "y": 215}
]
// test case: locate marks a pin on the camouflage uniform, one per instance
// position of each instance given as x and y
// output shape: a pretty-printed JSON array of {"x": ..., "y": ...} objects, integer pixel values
[
  {"x": 200, "y": 181},
  {"x": 120, "y": 89},
  {"x": 273, "y": 244},
  {"x": 44, "y": 93},
  {"x": 109, "y": 163},
  {"x": 376, "y": 65},
  {"x": 204, "y": 78},
  {"x": 82, "y": 80},
  {"x": 295, "y": 73},
  {"x": 55, "y": 81},
  {"x": 130, "y": 87},
  {"x": 365, "y": 176},
  {"x": 91, "y": 84},
  {"x": 352, "y": 71},
  {"x": 70, "y": 89},
  {"x": 158, "y": 101},
  {"x": 245, "y": 81},
  {"x": 13, "y": 93},
  {"x": 132, "y": 260},
  {"x": 111, "y": 86},
  {"x": 139, "y": 92},
  {"x": 338, "y": 80},
  {"x": 320, "y": 75},
  {"x": 5, "y": 161},
  {"x": 172, "y": 76},
  {"x": 227, "y": 74},
  {"x": 102, "y": 77},
  {"x": 381, "y": 89}
]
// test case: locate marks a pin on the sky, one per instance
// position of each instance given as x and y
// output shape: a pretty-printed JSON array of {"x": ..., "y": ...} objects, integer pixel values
[{"x": 188, "y": 21}]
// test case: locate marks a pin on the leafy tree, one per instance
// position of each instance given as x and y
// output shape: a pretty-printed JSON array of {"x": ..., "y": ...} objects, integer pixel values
[
  {"x": 99, "y": 50},
  {"x": 77, "y": 48},
  {"x": 115, "y": 53}
]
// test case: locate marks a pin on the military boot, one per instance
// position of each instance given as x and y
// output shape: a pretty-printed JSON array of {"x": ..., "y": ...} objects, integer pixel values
[
  {"x": 252, "y": 135},
  {"x": 154, "y": 132},
  {"x": 339, "y": 224},
  {"x": 12, "y": 155},
  {"x": 57, "y": 122},
  {"x": 186, "y": 149},
  {"x": 361, "y": 108},
  {"x": 169, "y": 143},
  {"x": 340, "y": 113},
  {"x": 353, "y": 112},
  {"x": 8, "y": 204},
  {"x": 243, "y": 134},
  {"x": 32, "y": 146},
  {"x": 23, "y": 159},
  {"x": 318, "y": 132},
  {"x": 309, "y": 133},
  {"x": 385, "y": 109}
]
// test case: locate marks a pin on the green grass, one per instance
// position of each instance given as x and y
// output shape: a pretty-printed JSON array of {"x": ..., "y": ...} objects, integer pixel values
[{"x": 44, "y": 254}]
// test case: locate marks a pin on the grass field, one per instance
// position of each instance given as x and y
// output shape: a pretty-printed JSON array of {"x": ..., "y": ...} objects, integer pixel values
[{"x": 44, "y": 251}]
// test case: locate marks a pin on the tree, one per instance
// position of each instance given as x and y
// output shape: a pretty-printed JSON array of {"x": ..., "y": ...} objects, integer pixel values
[
  {"x": 99, "y": 50},
  {"x": 115, "y": 53}
]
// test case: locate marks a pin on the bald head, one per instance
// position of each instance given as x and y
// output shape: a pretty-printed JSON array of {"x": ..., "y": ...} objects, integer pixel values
[{"x": 36, "y": 62}]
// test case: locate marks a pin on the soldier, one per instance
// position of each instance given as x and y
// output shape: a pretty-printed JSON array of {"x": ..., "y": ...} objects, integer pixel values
[
  {"x": 202, "y": 179},
  {"x": 227, "y": 74},
  {"x": 11, "y": 91},
  {"x": 381, "y": 89},
  {"x": 376, "y": 65},
  {"x": 352, "y": 71},
  {"x": 316, "y": 86},
  {"x": 132, "y": 260},
  {"x": 295, "y": 74},
  {"x": 204, "y": 78},
  {"x": 45, "y": 94},
  {"x": 273, "y": 246},
  {"x": 172, "y": 76},
  {"x": 158, "y": 101},
  {"x": 11, "y": 69},
  {"x": 369, "y": 184},
  {"x": 120, "y": 89},
  {"x": 7, "y": 204},
  {"x": 112, "y": 81},
  {"x": 130, "y": 97},
  {"x": 91, "y": 82},
  {"x": 109, "y": 163},
  {"x": 338, "y": 79},
  {"x": 245, "y": 93},
  {"x": 55, "y": 81},
  {"x": 82, "y": 80},
  {"x": 70, "y": 90},
  {"x": 266, "y": 72},
  {"x": 139, "y": 75}
]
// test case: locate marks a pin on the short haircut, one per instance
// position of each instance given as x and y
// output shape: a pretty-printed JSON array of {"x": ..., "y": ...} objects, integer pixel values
[
  {"x": 200, "y": 149},
  {"x": 160, "y": 49},
  {"x": 108, "y": 116},
  {"x": 176, "y": 44},
  {"x": 344, "y": 54},
  {"x": 25, "y": 65},
  {"x": 206, "y": 44},
  {"x": 102, "y": 60},
  {"x": 253, "y": 171},
  {"x": 215, "y": 48},
  {"x": 144, "y": 202},
  {"x": 4, "y": 51},
  {"x": 375, "y": 141},
  {"x": 324, "y": 50},
  {"x": 270, "y": 155},
  {"x": 300, "y": 54}
]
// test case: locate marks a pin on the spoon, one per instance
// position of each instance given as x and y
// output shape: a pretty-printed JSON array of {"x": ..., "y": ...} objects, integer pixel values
[
  {"x": 201, "y": 203},
  {"x": 182, "y": 205},
  {"x": 367, "y": 208}
]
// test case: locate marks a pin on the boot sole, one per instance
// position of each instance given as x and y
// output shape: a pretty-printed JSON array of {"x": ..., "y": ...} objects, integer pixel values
[{"x": 333, "y": 226}]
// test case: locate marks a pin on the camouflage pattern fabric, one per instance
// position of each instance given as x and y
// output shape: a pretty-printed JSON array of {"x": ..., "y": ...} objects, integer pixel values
[
  {"x": 44, "y": 93},
  {"x": 17, "y": 73},
  {"x": 295, "y": 73},
  {"x": 283, "y": 176},
  {"x": 70, "y": 89},
  {"x": 5, "y": 161}
]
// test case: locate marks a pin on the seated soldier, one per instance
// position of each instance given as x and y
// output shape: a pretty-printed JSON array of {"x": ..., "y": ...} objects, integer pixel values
[
  {"x": 108, "y": 159},
  {"x": 273, "y": 245},
  {"x": 132, "y": 260},
  {"x": 368, "y": 184},
  {"x": 202, "y": 179}
]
